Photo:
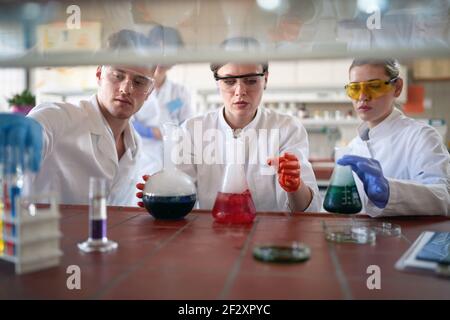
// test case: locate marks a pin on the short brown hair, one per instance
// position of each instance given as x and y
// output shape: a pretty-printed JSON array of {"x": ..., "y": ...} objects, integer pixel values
[
  {"x": 126, "y": 39},
  {"x": 236, "y": 44}
]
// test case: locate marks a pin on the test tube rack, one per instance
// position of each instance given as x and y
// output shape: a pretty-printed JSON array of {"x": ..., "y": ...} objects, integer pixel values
[{"x": 31, "y": 237}]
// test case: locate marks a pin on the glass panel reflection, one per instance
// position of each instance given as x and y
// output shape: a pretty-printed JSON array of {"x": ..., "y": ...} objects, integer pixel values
[{"x": 35, "y": 33}]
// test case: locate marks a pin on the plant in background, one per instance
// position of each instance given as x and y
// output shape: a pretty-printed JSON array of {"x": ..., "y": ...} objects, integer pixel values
[
  {"x": 26, "y": 98},
  {"x": 22, "y": 102}
]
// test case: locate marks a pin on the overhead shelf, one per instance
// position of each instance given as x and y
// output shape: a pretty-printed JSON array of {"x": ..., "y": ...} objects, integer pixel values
[
  {"x": 51, "y": 34},
  {"x": 56, "y": 59}
]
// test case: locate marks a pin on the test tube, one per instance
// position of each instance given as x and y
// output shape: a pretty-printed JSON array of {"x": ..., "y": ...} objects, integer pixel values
[
  {"x": 13, "y": 176},
  {"x": 97, "y": 240},
  {"x": 10, "y": 188},
  {"x": 18, "y": 182},
  {"x": 1, "y": 210}
]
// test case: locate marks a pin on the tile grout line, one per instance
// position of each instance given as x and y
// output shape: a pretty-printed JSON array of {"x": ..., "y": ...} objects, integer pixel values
[
  {"x": 403, "y": 236},
  {"x": 237, "y": 265},
  {"x": 339, "y": 273},
  {"x": 108, "y": 227},
  {"x": 123, "y": 221},
  {"x": 114, "y": 225},
  {"x": 123, "y": 275}
]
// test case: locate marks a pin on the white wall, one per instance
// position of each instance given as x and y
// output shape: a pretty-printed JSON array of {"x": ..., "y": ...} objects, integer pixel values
[{"x": 12, "y": 82}]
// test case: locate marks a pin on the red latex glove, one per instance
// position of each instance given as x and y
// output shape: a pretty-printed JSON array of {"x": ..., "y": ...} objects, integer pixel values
[
  {"x": 140, "y": 186},
  {"x": 288, "y": 171}
]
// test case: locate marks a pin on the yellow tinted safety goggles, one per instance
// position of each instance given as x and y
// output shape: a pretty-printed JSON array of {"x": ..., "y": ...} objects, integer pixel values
[{"x": 372, "y": 89}]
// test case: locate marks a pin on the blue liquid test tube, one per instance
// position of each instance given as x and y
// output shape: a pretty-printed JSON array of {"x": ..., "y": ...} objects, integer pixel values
[
  {"x": 14, "y": 178},
  {"x": 11, "y": 180},
  {"x": 2, "y": 206},
  {"x": 19, "y": 178}
]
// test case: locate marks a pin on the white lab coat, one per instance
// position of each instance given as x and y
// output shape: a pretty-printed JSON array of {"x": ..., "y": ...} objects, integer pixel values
[
  {"x": 414, "y": 161},
  {"x": 78, "y": 144},
  {"x": 171, "y": 103},
  {"x": 266, "y": 191}
]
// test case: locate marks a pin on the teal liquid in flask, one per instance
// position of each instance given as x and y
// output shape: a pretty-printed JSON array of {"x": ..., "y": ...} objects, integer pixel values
[{"x": 342, "y": 195}]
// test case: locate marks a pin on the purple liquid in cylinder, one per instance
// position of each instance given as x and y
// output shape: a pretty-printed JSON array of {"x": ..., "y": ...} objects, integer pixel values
[{"x": 98, "y": 229}]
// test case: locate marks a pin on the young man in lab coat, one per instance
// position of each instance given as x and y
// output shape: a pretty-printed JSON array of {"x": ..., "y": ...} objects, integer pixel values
[
  {"x": 292, "y": 187},
  {"x": 402, "y": 165},
  {"x": 95, "y": 138}
]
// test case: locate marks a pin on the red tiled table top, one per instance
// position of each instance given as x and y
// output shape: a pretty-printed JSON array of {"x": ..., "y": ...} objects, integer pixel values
[{"x": 196, "y": 258}]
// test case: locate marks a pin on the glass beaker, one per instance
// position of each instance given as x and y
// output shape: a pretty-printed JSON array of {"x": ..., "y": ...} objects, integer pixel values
[
  {"x": 234, "y": 202},
  {"x": 342, "y": 195},
  {"x": 170, "y": 193}
]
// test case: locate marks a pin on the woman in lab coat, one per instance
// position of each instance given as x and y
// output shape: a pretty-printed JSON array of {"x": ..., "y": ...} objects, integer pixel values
[
  {"x": 401, "y": 164},
  {"x": 293, "y": 186}
]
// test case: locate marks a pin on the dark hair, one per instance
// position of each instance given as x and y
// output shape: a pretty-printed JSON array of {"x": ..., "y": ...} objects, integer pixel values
[
  {"x": 128, "y": 39},
  {"x": 391, "y": 66},
  {"x": 238, "y": 44},
  {"x": 165, "y": 37}
]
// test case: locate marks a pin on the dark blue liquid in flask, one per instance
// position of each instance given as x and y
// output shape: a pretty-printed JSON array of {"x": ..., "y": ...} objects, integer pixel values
[{"x": 169, "y": 194}]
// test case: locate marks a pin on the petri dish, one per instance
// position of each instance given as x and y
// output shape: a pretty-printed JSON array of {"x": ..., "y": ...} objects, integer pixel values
[
  {"x": 349, "y": 233},
  {"x": 381, "y": 228},
  {"x": 295, "y": 252}
]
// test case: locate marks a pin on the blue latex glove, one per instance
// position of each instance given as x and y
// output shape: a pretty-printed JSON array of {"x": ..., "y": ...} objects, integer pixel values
[
  {"x": 174, "y": 105},
  {"x": 142, "y": 129},
  {"x": 371, "y": 175},
  {"x": 22, "y": 135}
]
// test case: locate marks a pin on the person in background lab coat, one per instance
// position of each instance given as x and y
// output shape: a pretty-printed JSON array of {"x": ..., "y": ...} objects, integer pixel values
[
  {"x": 402, "y": 166},
  {"x": 169, "y": 102},
  {"x": 293, "y": 187},
  {"x": 96, "y": 138}
]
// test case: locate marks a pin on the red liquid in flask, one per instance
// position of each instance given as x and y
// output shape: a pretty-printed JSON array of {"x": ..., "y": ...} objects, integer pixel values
[{"x": 234, "y": 208}]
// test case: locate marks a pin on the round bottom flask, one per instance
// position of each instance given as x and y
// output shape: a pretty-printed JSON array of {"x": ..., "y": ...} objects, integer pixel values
[{"x": 169, "y": 195}]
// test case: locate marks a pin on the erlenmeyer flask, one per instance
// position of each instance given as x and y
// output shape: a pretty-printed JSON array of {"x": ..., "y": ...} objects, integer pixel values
[
  {"x": 342, "y": 195},
  {"x": 234, "y": 203},
  {"x": 170, "y": 193}
]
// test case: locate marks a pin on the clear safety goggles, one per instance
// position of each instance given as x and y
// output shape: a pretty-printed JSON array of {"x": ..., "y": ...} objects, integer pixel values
[
  {"x": 251, "y": 81},
  {"x": 139, "y": 83},
  {"x": 372, "y": 89}
]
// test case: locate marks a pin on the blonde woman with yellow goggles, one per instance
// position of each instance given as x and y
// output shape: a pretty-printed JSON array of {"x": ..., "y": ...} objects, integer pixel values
[{"x": 401, "y": 165}]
